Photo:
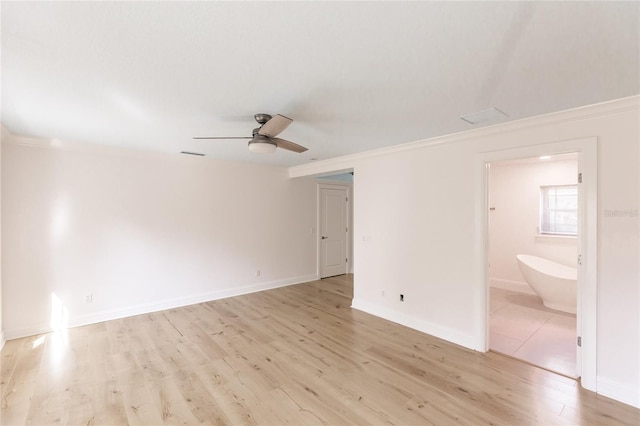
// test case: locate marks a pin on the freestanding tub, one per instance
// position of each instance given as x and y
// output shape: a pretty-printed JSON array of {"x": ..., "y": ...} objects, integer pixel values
[{"x": 553, "y": 282}]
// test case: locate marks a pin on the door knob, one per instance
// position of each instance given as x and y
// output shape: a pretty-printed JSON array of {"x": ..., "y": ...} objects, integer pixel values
[{"x": 324, "y": 238}]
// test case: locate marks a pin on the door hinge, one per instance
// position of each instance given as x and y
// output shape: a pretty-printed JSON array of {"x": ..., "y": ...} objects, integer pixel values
[
  {"x": 579, "y": 259},
  {"x": 347, "y": 199},
  {"x": 579, "y": 177},
  {"x": 346, "y": 229},
  {"x": 346, "y": 260},
  {"x": 580, "y": 341}
]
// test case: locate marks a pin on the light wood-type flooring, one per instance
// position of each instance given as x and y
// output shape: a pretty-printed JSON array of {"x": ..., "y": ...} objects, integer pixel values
[{"x": 296, "y": 355}]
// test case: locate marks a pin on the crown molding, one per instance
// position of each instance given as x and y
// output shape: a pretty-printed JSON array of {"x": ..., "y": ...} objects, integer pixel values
[
  {"x": 348, "y": 162},
  {"x": 55, "y": 144}
]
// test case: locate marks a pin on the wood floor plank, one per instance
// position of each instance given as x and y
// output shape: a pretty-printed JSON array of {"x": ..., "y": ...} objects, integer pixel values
[{"x": 293, "y": 355}]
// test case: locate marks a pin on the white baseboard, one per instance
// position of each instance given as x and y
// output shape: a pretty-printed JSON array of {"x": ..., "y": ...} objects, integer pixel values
[
  {"x": 417, "y": 324},
  {"x": 146, "y": 308},
  {"x": 620, "y": 392},
  {"x": 2, "y": 340},
  {"x": 518, "y": 286}
]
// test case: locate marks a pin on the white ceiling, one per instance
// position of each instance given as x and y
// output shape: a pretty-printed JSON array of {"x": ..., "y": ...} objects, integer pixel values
[{"x": 354, "y": 76}]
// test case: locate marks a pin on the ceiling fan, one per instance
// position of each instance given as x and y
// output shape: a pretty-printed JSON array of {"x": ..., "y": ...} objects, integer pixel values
[{"x": 264, "y": 138}]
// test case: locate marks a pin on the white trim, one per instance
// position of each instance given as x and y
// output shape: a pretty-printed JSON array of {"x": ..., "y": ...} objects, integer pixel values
[
  {"x": 335, "y": 185},
  {"x": 416, "y": 324},
  {"x": 159, "y": 306},
  {"x": 2, "y": 340},
  {"x": 519, "y": 286},
  {"x": 587, "y": 245},
  {"x": 334, "y": 182},
  {"x": 348, "y": 162},
  {"x": 624, "y": 393},
  {"x": 569, "y": 239},
  {"x": 10, "y": 139}
]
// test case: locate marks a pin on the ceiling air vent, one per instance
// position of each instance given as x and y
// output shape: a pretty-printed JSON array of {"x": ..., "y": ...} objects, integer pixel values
[{"x": 491, "y": 114}]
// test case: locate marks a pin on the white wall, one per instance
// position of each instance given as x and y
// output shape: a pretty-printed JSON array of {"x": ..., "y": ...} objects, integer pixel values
[
  {"x": 417, "y": 231},
  {"x": 142, "y": 232},
  {"x": 418, "y": 223},
  {"x": 514, "y": 193},
  {"x": 4, "y": 134}
]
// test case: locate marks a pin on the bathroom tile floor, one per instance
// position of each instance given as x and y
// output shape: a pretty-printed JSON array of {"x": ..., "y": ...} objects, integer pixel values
[{"x": 522, "y": 327}]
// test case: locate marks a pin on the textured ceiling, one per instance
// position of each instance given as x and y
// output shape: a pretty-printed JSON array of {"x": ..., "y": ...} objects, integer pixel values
[{"x": 353, "y": 76}]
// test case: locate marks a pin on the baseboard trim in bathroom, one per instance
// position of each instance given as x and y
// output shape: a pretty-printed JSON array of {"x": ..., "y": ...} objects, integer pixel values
[{"x": 520, "y": 287}]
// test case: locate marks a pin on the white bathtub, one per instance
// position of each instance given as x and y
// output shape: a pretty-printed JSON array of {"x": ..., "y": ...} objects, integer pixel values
[{"x": 554, "y": 283}]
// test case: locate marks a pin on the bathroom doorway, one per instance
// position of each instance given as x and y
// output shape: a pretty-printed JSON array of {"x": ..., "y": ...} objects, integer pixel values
[{"x": 532, "y": 256}]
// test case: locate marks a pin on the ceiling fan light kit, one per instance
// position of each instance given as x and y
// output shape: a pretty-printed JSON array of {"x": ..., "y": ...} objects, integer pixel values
[
  {"x": 264, "y": 137},
  {"x": 262, "y": 146}
]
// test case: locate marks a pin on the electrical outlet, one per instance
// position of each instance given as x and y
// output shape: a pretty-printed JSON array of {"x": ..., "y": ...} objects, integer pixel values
[
  {"x": 257, "y": 272},
  {"x": 382, "y": 293},
  {"x": 88, "y": 298}
]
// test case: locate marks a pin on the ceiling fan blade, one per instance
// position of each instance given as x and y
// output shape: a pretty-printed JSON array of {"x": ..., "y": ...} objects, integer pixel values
[
  {"x": 289, "y": 146},
  {"x": 274, "y": 126},
  {"x": 223, "y": 137}
]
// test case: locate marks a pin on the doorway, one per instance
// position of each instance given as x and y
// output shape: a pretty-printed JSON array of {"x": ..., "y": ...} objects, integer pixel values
[
  {"x": 586, "y": 313},
  {"x": 533, "y": 231},
  {"x": 333, "y": 229}
]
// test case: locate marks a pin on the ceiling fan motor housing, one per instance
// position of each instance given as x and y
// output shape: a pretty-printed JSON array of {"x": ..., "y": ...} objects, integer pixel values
[{"x": 262, "y": 118}]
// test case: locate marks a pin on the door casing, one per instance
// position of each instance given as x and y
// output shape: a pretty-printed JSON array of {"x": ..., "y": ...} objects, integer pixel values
[{"x": 586, "y": 323}]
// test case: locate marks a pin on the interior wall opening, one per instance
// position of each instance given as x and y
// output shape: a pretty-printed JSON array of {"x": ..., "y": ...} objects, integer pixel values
[
  {"x": 335, "y": 225},
  {"x": 532, "y": 255}
]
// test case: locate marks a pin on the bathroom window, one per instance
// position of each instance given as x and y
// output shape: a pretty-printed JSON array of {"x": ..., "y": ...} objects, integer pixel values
[{"x": 559, "y": 210}]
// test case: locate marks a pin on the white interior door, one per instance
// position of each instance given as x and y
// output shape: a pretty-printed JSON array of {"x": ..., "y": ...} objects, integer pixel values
[{"x": 333, "y": 232}]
